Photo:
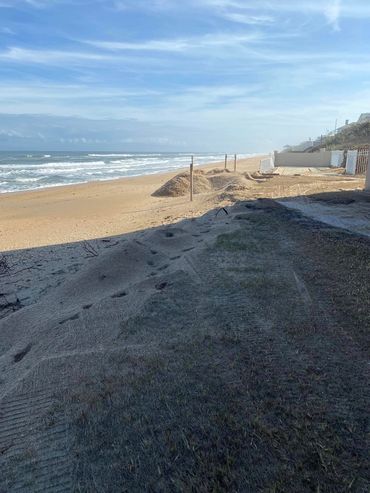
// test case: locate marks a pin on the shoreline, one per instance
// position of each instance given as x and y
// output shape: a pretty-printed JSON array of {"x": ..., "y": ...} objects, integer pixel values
[
  {"x": 85, "y": 211},
  {"x": 70, "y": 214},
  {"x": 161, "y": 172}
]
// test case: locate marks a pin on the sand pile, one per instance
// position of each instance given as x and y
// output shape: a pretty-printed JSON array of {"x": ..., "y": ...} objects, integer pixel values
[
  {"x": 230, "y": 181},
  {"x": 213, "y": 180},
  {"x": 180, "y": 185},
  {"x": 217, "y": 171}
]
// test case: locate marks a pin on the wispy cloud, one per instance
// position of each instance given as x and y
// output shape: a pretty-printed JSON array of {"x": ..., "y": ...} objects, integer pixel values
[
  {"x": 231, "y": 68},
  {"x": 242, "y": 18},
  {"x": 179, "y": 44},
  {"x": 333, "y": 12},
  {"x": 23, "y": 55}
]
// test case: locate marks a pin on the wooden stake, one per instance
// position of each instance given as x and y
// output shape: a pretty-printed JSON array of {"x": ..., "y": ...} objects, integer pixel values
[
  {"x": 225, "y": 161},
  {"x": 235, "y": 158},
  {"x": 191, "y": 178}
]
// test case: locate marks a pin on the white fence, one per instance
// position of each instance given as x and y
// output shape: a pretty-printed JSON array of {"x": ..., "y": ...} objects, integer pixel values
[
  {"x": 337, "y": 158},
  {"x": 351, "y": 162},
  {"x": 357, "y": 161}
]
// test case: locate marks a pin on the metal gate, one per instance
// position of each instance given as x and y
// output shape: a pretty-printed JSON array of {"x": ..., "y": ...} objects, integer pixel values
[{"x": 362, "y": 160}]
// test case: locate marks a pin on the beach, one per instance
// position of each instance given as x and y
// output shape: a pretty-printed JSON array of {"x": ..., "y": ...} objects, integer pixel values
[
  {"x": 144, "y": 333},
  {"x": 75, "y": 213},
  {"x": 93, "y": 210}
]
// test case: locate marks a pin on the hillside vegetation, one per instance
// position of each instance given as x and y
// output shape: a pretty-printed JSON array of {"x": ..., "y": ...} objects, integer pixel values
[{"x": 351, "y": 135}]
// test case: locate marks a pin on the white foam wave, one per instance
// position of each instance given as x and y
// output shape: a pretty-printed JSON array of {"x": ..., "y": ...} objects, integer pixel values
[{"x": 20, "y": 173}]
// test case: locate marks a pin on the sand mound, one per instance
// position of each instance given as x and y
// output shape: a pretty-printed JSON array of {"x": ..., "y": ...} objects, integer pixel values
[
  {"x": 180, "y": 185},
  {"x": 213, "y": 180},
  {"x": 239, "y": 183},
  {"x": 229, "y": 182},
  {"x": 217, "y": 171}
]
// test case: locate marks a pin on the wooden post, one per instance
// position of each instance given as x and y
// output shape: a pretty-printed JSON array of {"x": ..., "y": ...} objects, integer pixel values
[
  {"x": 235, "y": 158},
  {"x": 191, "y": 178},
  {"x": 367, "y": 182},
  {"x": 225, "y": 161}
]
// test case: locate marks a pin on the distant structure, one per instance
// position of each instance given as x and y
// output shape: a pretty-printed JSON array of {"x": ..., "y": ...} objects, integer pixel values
[
  {"x": 364, "y": 117},
  {"x": 314, "y": 145}
]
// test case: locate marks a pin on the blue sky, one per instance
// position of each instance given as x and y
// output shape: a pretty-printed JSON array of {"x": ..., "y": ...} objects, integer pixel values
[{"x": 187, "y": 75}]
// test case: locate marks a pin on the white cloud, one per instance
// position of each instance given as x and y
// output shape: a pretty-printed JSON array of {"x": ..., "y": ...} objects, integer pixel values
[
  {"x": 179, "y": 44},
  {"x": 332, "y": 12},
  {"x": 25, "y": 55},
  {"x": 248, "y": 19}
]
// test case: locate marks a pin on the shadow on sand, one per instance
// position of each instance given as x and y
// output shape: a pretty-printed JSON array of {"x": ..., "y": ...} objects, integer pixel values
[{"x": 223, "y": 353}]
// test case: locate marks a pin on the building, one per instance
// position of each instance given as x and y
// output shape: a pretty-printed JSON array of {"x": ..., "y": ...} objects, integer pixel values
[{"x": 364, "y": 117}]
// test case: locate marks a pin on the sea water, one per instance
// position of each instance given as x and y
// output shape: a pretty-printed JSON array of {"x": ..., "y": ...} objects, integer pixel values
[{"x": 21, "y": 171}]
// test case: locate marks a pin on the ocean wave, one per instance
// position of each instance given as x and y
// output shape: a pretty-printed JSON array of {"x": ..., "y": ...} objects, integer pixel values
[
  {"x": 19, "y": 172},
  {"x": 110, "y": 155}
]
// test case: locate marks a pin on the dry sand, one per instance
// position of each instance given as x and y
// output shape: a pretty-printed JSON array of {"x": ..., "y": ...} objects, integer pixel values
[
  {"x": 93, "y": 210},
  {"x": 103, "y": 209}
]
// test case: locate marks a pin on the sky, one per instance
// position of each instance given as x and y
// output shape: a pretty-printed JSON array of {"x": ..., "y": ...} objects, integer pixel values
[{"x": 180, "y": 75}]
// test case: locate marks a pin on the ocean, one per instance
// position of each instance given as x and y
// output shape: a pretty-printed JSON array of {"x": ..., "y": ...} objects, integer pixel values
[{"x": 20, "y": 171}]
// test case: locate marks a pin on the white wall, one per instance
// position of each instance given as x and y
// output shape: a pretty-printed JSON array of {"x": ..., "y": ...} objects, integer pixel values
[
  {"x": 336, "y": 158},
  {"x": 303, "y": 159},
  {"x": 351, "y": 162},
  {"x": 267, "y": 165}
]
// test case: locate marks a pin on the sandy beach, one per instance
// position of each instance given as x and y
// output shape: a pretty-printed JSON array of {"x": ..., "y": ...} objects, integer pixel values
[
  {"x": 138, "y": 329},
  {"x": 101, "y": 209},
  {"x": 93, "y": 210}
]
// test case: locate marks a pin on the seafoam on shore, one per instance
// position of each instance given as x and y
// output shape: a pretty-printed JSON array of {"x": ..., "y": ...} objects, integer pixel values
[{"x": 30, "y": 171}]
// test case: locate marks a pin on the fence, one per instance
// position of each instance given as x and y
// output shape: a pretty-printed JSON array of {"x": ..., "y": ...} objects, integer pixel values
[
  {"x": 362, "y": 160},
  {"x": 337, "y": 159},
  {"x": 357, "y": 161},
  {"x": 367, "y": 184}
]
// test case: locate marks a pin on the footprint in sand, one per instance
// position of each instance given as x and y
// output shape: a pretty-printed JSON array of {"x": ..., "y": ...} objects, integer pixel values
[
  {"x": 121, "y": 294},
  {"x": 19, "y": 356},
  {"x": 73, "y": 317},
  {"x": 161, "y": 286}
]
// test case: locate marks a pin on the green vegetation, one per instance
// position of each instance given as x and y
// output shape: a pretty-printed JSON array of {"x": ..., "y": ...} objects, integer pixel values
[{"x": 355, "y": 134}]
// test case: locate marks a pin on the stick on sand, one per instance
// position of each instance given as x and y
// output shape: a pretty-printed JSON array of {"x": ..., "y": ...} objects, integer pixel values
[{"x": 191, "y": 178}]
